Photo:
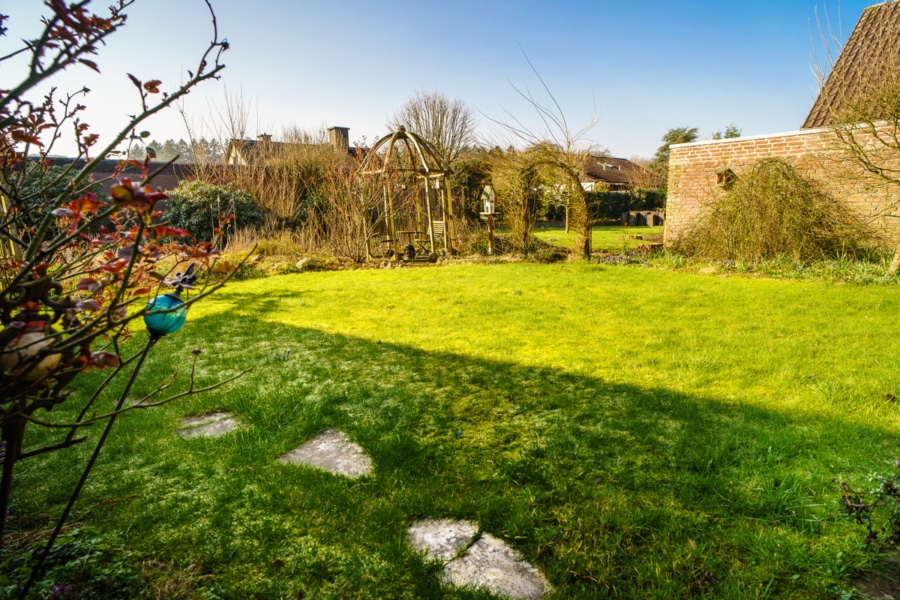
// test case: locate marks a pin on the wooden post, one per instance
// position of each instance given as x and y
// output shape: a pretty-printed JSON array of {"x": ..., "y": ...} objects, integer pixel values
[
  {"x": 392, "y": 227},
  {"x": 429, "y": 214},
  {"x": 490, "y": 223},
  {"x": 449, "y": 229},
  {"x": 8, "y": 248}
]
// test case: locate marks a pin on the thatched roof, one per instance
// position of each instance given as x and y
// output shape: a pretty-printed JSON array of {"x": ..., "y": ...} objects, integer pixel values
[{"x": 871, "y": 56}]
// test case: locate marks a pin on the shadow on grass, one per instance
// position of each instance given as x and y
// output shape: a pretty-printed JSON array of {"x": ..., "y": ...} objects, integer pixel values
[{"x": 616, "y": 490}]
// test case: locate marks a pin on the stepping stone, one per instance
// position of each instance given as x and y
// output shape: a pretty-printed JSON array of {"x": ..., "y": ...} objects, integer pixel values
[
  {"x": 211, "y": 425},
  {"x": 332, "y": 451},
  {"x": 488, "y": 563},
  {"x": 442, "y": 539},
  {"x": 491, "y": 564}
]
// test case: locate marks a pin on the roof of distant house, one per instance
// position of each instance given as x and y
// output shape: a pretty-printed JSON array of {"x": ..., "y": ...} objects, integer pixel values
[
  {"x": 619, "y": 171},
  {"x": 871, "y": 56},
  {"x": 252, "y": 151},
  {"x": 263, "y": 148}
]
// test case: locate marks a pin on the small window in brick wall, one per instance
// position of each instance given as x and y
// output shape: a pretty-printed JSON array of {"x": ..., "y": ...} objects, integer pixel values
[{"x": 725, "y": 178}]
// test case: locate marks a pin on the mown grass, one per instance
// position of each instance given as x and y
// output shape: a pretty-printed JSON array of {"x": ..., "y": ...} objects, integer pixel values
[
  {"x": 605, "y": 238},
  {"x": 635, "y": 433}
]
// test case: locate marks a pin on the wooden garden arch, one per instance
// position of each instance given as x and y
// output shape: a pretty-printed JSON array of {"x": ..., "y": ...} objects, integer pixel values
[{"x": 415, "y": 221}]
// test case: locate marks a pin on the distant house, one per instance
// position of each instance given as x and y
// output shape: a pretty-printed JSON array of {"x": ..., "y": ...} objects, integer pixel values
[
  {"x": 263, "y": 149},
  {"x": 617, "y": 175}
]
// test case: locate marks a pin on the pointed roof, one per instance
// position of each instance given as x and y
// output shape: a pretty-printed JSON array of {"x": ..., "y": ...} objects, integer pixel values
[
  {"x": 263, "y": 149},
  {"x": 252, "y": 152},
  {"x": 404, "y": 151},
  {"x": 871, "y": 56}
]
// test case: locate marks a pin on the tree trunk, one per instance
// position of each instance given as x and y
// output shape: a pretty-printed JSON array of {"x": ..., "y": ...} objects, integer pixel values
[
  {"x": 588, "y": 242},
  {"x": 567, "y": 218},
  {"x": 13, "y": 434}
]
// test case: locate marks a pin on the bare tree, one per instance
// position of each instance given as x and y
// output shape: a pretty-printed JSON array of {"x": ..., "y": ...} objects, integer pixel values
[
  {"x": 561, "y": 151},
  {"x": 446, "y": 124},
  {"x": 639, "y": 175}
]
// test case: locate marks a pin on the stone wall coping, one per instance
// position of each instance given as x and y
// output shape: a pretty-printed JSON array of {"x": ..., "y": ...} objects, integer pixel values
[{"x": 750, "y": 138}]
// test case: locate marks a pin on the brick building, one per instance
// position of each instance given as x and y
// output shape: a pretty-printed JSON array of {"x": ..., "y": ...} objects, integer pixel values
[{"x": 700, "y": 171}]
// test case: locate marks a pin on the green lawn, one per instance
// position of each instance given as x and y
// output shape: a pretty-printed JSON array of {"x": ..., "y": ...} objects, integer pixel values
[
  {"x": 635, "y": 433},
  {"x": 605, "y": 238}
]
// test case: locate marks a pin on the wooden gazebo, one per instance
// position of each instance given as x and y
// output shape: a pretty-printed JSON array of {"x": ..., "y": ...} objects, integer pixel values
[{"x": 414, "y": 222}]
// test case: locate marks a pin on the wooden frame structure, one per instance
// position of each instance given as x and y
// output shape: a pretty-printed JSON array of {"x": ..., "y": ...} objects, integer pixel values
[{"x": 415, "y": 221}]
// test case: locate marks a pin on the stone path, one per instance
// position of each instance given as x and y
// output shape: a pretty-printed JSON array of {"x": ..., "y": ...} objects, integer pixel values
[
  {"x": 211, "y": 425},
  {"x": 442, "y": 539},
  {"x": 332, "y": 451},
  {"x": 487, "y": 562},
  {"x": 469, "y": 560}
]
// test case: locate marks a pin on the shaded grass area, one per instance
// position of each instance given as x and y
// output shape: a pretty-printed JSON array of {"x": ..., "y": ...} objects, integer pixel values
[
  {"x": 605, "y": 238},
  {"x": 634, "y": 433}
]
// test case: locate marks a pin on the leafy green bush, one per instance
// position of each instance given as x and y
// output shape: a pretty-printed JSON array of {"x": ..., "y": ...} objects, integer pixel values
[
  {"x": 609, "y": 205},
  {"x": 470, "y": 175},
  {"x": 79, "y": 566},
  {"x": 199, "y": 207},
  {"x": 646, "y": 198},
  {"x": 39, "y": 186}
]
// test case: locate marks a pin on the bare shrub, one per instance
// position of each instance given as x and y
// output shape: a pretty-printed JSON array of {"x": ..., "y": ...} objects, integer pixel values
[
  {"x": 772, "y": 211},
  {"x": 345, "y": 213},
  {"x": 335, "y": 219},
  {"x": 516, "y": 182},
  {"x": 286, "y": 184},
  {"x": 267, "y": 241},
  {"x": 304, "y": 189}
]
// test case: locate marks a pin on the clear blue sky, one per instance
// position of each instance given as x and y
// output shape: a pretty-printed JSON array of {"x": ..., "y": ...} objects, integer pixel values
[{"x": 646, "y": 66}]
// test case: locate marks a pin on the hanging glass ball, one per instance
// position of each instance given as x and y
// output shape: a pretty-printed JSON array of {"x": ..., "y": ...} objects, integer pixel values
[{"x": 163, "y": 323}]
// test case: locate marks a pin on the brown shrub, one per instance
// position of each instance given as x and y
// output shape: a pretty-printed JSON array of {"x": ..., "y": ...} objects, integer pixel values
[{"x": 771, "y": 211}]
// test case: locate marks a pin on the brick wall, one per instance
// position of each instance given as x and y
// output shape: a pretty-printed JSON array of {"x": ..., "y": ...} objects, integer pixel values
[{"x": 817, "y": 155}]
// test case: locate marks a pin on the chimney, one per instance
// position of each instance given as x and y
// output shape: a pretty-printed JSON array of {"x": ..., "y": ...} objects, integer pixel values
[
  {"x": 264, "y": 137},
  {"x": 339, "y": 138}
]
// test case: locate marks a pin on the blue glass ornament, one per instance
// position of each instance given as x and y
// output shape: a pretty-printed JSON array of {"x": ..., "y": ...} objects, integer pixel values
[{"x": 163, "y": 323}]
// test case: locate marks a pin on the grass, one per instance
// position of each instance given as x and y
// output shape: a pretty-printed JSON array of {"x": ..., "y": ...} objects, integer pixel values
[
  {"x": 605, "y": 238},
  {"x": 635, "y": 433}
]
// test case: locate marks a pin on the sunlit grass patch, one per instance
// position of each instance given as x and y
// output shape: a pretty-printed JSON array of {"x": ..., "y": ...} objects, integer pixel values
[
  {"x": 634, "y": 433},
  {"x": 605, "y": 238}
]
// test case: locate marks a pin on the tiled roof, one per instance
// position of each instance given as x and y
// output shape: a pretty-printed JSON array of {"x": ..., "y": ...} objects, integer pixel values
[
  {"x": 868, "y": 59},
  {"x": 619, "y": 171},
  {"x": 258, "y": 152},
  {"x": 253, "y": 151}
]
